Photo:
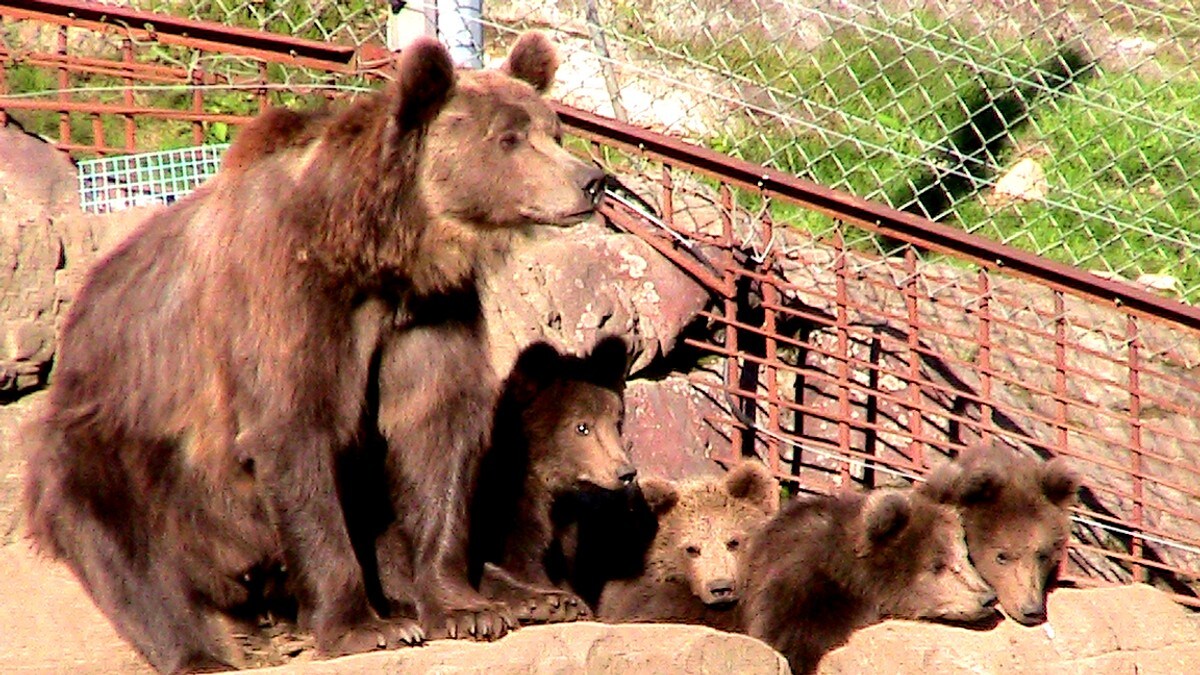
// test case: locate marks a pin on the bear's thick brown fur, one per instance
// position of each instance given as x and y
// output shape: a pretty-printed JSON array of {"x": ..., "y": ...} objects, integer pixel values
[
  {"x": 219, "y": 367},
  {"x": 1015, "y": 509},
  {"x": 824, "y": 567},
  {"x": 691, "y": 572},
  {"x": 557, "y": 432}
]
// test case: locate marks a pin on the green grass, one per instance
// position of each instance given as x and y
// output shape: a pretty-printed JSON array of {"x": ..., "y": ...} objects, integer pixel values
[{"x": 1121, "y": 153}]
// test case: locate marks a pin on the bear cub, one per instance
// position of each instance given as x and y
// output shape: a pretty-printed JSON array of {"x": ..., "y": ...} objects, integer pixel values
[
  {"x": 826, "y": 566},
  {"x": 1015, "y": 510},
  {"x": 691, "y": 570},
  {"x": 556, "y": 433}
]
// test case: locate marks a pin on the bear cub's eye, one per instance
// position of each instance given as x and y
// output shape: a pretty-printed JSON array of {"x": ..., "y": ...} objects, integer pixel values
[
  {"x": 939, "y": 566},
  {"x": 693, "y": 551},
  {"x": 1003, "y": 558},
  {"x": 510, "y": 139},
  {"x": 732, "y": 544},
  {"x": 583, "y": 429}
]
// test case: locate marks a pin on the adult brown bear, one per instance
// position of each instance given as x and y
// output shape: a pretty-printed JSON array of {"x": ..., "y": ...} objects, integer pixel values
[{"x": 219, "y": 365}]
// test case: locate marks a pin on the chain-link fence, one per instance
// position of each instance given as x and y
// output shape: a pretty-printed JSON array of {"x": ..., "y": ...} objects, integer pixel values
[{"x": 1067, "y": 128}]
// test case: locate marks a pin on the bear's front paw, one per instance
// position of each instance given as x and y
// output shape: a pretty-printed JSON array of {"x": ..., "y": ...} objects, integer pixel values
[
  {"x": 551, "y": 607},
  {"x": 370, "y": 636},
  {"x": 486, "y": 622}
]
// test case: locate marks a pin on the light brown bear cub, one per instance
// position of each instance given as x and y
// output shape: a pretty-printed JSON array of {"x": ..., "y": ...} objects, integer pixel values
[
  {"x": 827, "y": 566},
  {"x": 1015, "y": 510},
  {"x": 691, "y": 573}
]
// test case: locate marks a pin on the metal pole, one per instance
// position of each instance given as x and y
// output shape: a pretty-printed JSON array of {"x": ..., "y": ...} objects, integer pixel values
[{"x": 460, "y": 28}]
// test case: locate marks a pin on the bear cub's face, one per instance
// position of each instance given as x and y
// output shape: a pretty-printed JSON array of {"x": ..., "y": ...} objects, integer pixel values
[
  {"x": 582, "y": 423},
  {"x": 703, "y": 526},
  {"x": 495, "y": 155},
  {"x": 1015, "y": 512},
  {"x": 573, "y": 409},
  {"x": 922, "y": 542}
]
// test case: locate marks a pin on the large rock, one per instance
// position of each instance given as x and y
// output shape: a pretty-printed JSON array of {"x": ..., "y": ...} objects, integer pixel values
[
  {"x": 1124, "y": 629},
  {"x": 570, "y": 648},
  {"x": 46, "y": 245},
  {"x": 62, "y": 631},
  {"x": 677, "y": 427},
  {"x": 572, "y": 287}
]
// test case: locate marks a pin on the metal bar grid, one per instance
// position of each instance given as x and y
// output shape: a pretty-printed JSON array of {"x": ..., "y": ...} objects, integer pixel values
[{"x": 145, "y": 179}]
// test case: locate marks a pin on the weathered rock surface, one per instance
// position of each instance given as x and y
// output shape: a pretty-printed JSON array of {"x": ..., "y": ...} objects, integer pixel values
[
  {"x": 571, "y": 648},
  {"x": 673, "y": 425},
  {"x": 49, "y": 625},
  {"x": 46, "y": 245},
  {"x": 572, "y": 287},
  {"x": 1109, "y": 631}
]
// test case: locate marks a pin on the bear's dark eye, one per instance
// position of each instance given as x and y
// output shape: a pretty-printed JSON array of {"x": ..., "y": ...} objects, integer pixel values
[
  {"x": 732, "y": 544},
  {"x": 510, "y": 140},
  {"x": 583, "y": 429},
  {"x": 693, "y": 551},
  {"x": 1003, "y": 558},
  {"x": 939, "y": 566}
]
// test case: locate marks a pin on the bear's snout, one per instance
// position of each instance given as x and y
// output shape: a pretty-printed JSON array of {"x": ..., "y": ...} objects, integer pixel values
[
  {"x": 626, "y": 474},
  {"x": 1031, "y": 614},
  {"x": 720, "y": 592}
]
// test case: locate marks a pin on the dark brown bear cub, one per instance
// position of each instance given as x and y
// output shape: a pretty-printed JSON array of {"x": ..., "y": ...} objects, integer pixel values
[
  {"x": 825, "y": 567},
  {"x": 691, "y": 570},
  {"x": 216, "y": 367},
  {"x": 557, "y": 432},
  {"x": 1015, "y": 510}
]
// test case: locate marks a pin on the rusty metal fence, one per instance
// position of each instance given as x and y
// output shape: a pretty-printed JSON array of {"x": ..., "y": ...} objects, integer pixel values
[{"x": 848, "y": 342}]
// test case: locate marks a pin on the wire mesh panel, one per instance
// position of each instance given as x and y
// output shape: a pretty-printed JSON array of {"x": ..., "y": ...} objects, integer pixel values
[{"x": 144, "y": 179}]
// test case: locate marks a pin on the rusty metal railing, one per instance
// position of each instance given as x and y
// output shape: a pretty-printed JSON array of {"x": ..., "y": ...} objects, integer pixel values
[{"x": 838, "y": 366}]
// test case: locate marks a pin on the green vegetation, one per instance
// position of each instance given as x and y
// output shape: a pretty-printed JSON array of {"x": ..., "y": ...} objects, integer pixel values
[{"x": 875, "y": 109}]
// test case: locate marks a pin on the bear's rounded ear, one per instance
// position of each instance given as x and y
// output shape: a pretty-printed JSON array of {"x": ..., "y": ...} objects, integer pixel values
[
  {"x": 980, "y": 485},
  {"x": 940, "y": 484},
  {"x": 885, "y": 514},
  {"x": 424, "y": 82},
  {"x": 752, "y": 482},
  {"x": 608, "y": 363},
  {"x": 1060, "y": 483},
  {"x": 533, "y": 60},
  {"x": 660, "y": 495},
  {"x": 536, "y": 369}
]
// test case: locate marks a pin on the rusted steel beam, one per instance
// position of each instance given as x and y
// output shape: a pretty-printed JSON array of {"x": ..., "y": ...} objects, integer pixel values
[
  {"x": 81, "y": 64},
  {"x": 120, "y": 109},
  {"x": 185, "y": 32},
  {"x": 875, "y": 217}
]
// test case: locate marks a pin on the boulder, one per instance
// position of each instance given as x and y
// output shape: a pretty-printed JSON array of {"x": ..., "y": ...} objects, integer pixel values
[
  {"x": 1105, "y": 631},
  {"x": 572, "y": 287}
]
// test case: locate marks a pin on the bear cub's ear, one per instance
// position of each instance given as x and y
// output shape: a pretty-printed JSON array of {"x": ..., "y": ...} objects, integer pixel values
[
  {"x": 660, "y": 495},
  {"x": 957, "y": 486},
  {"x": 885, "y": 515},
  {"x": 752, "y": 482},
  {"x": 608, "y": 364},
  {"x": 537, "y": 368},
  {"x": 424, "y": 82},
  {"x": 1060, "y": 483},
  {"x": 533, "y": 60}
]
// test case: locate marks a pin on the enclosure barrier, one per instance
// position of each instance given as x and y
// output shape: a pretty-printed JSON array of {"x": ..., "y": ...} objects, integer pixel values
[{"x": 837, "y": 364}]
